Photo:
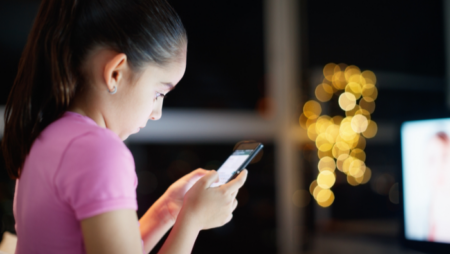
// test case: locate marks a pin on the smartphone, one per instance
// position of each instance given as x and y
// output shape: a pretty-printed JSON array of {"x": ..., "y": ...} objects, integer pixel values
[{"x": 237, "y": 161}]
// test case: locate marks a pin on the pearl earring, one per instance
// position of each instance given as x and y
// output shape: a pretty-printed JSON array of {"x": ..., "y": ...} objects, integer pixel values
[{"x": 114, "y": 91}]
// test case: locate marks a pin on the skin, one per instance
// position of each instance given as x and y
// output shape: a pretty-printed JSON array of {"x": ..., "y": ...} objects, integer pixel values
[{"x": 189, "y": 205}]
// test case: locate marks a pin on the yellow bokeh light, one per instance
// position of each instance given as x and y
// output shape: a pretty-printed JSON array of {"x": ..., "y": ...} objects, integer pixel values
[
  {"x": 340, "y": 161},
  {"x": 328, "y": 71},
  {"x": 322, "y": 142},
  {"x": 316, "y": 191},
  {"x": 363, "y": 179},
  {"x": 333, "y": 133},
  {"x": 371, "y": 131},
  {"x": 326, "y": 179},
  {"x": 361, "y": 143},
  {"x": 363, "y": 112},
  {"x": 323, "y": 195},
  {"x": 309, "y": 122},
  {"x": 340, "y": 141},
  {"x": 352, "y": 181},
  {"x": 322, "y": 154},
  {"x": 338, "y": 80},
  {"x": 353, "y": 111},
  {"x": 369, "y": 92},
  {"x": 312, "y": 109},
  {"x": 358, "y": 154},
  {"x": 312, "y": 186},
  {"x": 324, "y": 92},
  {"x": 367, "y": 176},
  {"x": 337, "y": 119},
  {"x": 340, "y": 148},
  {"x": 347, "y": 101},
  {"x": 359, "y": 123},
  {"x": 311, "y": 132},
  {"x": 369, "y": 76},
  {"x": 322, "y": 124},
  {"x": 367, "y": 105},
  {"x": 346, "y": 164},
  {"x": 357, "y": 168},
  {"x": 325, "y": 198},
  {"x": 302, "y": 121},
  {"x": 346, "y": 131},
  {"x": 357, "y": 78},
  {"x": 350, "y": 71},
  {"x": 326, "y": 164},
  {"x": 354, "y": 88},
  {"x": 352, "y": 142}
]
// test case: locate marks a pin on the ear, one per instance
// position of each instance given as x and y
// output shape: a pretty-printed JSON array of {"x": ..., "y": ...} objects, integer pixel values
[{"x": 114, "y": 70}]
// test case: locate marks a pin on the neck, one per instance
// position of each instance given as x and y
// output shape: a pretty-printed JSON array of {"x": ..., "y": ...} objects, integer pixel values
[{"x": 83, "y": 107}]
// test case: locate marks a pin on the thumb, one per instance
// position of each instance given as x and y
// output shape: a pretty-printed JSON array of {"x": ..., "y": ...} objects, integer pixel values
[{"x": 210, "y": 178}]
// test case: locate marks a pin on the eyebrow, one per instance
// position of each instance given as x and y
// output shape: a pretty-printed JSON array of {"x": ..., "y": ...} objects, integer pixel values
[{"x": 169, "y": 85}]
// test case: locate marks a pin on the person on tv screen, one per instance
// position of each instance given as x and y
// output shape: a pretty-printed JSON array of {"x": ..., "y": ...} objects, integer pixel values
[
  {"x": 439, "y": 166},
  {"x": 92, "y": 73}
]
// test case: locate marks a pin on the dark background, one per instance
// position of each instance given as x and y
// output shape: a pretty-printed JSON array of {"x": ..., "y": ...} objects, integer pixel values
[{"x": 226, "y": 71}]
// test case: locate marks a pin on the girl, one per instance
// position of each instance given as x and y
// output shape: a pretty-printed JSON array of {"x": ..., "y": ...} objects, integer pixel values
[{"x": 92, "y": 73}]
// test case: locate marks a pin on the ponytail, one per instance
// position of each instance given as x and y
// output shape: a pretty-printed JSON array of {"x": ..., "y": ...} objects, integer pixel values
[
  {"x": 43, "y": 86},
  {"x": 147, "y": 31}
]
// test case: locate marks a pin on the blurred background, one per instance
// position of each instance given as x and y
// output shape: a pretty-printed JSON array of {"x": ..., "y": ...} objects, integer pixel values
[{"x": 268, "y": 71}]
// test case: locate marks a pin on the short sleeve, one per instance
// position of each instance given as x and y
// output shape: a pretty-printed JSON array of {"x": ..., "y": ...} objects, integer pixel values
[{"x": 97, "y": 175}]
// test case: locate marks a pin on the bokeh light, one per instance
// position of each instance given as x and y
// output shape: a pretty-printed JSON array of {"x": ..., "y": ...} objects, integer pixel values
[
  {"x": 369, "y": 77},
  {"x": 312, "y": 109},
  {"x": 325, "y": 198},
  {"x": 324, "y": 92},
  {"x": 341, "y": 139},
  {"x": 367, "y": 105},
  {"x": 328, "y": 71},
  {"x": 371, "y": 130},
  {"x": 359, "y": 123},
  {"x": 355, "y": 89},
  {"x": 327, "y": 164},
  {"x": 326, "y": 179},
  {"x": 347, "y": 101},
  {"x": 358, "y": 154},
  {"x": 370, "y": 92},
  {"x": 312, "y": 186}
]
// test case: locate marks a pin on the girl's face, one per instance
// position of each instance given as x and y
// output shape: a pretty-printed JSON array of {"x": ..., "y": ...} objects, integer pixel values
[{"x": 142, "y": 99}]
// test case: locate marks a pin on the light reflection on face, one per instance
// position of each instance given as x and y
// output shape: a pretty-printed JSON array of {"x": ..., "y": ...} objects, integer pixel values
[{"x": 144, "y": 97}]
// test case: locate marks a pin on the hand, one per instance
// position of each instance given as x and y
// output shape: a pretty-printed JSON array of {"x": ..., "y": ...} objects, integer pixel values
[
  {"x": 212, "y": 207},
  {"x": 173, "y": 197}
]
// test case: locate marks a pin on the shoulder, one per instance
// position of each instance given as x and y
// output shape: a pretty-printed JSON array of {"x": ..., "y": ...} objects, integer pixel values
[{"x": 98, "y": 148}]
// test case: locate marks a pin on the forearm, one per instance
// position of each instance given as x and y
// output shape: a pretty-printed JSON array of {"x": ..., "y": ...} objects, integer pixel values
[
  {"x": 154, "y": 224},
  {"x": 182, "y": 237}
]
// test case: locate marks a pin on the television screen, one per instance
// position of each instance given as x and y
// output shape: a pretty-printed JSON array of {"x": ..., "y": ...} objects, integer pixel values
[{"x": 426, "y": 180}]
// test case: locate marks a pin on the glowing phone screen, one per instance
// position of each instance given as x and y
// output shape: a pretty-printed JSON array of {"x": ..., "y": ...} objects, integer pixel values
[{"x": 233, "y": 163}]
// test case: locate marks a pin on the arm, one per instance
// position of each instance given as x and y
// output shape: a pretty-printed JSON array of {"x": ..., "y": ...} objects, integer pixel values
[
  {"x": 161, "y": 216},
  {"x": 182, "y": 237},
  {"x": 114, "y": 232},
  {"x": 154, "y": 224},
  {"x": 203, "y": 208}
]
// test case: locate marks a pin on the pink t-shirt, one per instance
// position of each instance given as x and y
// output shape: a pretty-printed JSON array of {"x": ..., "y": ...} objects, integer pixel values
[{"x": 75, "y": 170}]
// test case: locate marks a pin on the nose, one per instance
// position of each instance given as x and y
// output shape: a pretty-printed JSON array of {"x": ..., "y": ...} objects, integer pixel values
[{"x": 156, "y": 113}]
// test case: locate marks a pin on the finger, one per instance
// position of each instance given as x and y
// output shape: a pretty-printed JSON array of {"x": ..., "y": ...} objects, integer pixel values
[
  {"x": 209, "y": 178},
  {"x": 196, "y": 174},
  {"x": 234, "y": 194},
  {"x": 236, "y": 183}
]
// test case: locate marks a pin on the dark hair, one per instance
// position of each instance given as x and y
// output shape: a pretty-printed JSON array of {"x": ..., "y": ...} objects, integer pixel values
[{"x": 64, "y": 31}]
